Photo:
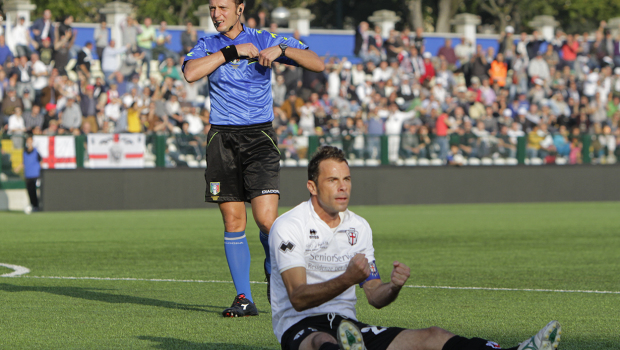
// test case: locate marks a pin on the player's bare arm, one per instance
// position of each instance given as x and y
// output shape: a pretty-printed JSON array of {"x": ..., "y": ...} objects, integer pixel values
[
  {"x": 304, "y": 296},
  {"x": 382, "y": 294},
  {"x": 307, "y": 59}
]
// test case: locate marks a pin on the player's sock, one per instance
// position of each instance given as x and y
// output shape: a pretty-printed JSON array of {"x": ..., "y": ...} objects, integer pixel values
[
  {"x": 264, "y": 239},
  {"x": 462, "y": 343},
  {"x": 238, "y": 257},
  {"x": 329, "y": 346}
]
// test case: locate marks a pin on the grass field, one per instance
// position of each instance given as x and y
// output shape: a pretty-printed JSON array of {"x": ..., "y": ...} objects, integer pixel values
[{"x": 567, "y": 249}]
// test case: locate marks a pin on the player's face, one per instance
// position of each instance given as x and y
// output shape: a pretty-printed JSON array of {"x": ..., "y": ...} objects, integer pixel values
[
  {"x": 224, "y": 14},
  {"x": 333, "y": 187}
]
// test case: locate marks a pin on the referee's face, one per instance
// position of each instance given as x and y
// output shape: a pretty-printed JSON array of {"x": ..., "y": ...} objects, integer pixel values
[
  {"x": 333, "y": 188},
  {"x": 224, "y": 14}
]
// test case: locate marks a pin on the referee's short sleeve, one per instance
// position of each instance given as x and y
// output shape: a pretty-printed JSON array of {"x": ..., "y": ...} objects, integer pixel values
[{"x": 199, "y": 51}]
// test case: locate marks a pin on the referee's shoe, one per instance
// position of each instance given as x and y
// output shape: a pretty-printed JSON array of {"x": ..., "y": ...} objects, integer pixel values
[{"x": 241, "y": 307}]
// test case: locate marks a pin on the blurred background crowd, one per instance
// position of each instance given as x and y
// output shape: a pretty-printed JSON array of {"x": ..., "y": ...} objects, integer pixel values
[{"x": 391, "y": 96}]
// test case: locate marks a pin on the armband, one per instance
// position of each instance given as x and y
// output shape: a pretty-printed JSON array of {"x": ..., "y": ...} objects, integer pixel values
[
  {"x": 374, "y": 273},
  {"x": 230, "y": 53}
]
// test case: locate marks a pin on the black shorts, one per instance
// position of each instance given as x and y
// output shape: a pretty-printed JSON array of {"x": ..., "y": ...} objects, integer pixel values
[
  {"x": 243, "y": 162},
  {"x": 375, "y": 338}
]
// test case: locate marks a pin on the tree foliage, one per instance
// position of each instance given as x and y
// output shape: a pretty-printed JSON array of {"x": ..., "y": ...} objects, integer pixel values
[{"x": 573, "y": 15}]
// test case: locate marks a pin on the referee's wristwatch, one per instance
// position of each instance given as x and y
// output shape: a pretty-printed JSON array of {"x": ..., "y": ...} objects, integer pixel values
[{"x": 283, "y": 47}]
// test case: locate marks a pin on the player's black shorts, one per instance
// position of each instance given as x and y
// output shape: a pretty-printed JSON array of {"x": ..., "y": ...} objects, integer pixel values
[
  {"x": 375, "y": 338},
  {"x": 243, "y": 162}
]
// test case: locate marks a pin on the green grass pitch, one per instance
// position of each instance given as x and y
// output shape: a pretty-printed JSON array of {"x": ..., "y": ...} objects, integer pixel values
[{"x": 558, "y": 247}]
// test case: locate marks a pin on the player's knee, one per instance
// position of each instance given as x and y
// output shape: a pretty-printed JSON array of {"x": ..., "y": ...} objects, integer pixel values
[
  {"x": 438, "y": 334},
  {"x": 322, "y": 338},
  {"x": 234, "y": 223},
  {"x": 264, "y": 227}
]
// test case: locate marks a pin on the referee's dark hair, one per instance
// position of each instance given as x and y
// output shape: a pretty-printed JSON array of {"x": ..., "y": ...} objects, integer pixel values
[{"x": 321, "y": 154}]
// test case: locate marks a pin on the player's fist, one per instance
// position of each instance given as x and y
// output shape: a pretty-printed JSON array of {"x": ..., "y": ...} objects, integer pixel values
[
  {"x": 247, "y": 50},
  {"x": 400, "y": 274},
  {"x": 358, "y": 269}
]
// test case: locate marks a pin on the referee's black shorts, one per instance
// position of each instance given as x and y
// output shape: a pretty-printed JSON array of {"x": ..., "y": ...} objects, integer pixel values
[{"x": 243, "y": 162}]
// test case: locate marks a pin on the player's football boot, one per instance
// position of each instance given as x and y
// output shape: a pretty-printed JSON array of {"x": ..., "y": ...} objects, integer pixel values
[
  {"x": 268, "y": 279},
  {"x": 241, "y": 307},
  {"x": 350, "y": 336},
  {"x": 547, "y": 338}
]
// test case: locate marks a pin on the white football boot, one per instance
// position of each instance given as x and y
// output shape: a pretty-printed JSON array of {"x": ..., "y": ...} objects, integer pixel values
[
  {"x": 547, "y": 338},
  {"x": 350, "y": 336}
]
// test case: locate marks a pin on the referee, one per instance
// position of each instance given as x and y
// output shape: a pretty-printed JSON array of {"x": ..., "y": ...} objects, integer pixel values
[{"x": 243, "y": 159}]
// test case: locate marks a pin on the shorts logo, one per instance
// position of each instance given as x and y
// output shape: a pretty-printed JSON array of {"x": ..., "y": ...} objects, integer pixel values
[
  {"x": 287, "y": 246},
  {"x": 271, "y": 192},
  {"x": 299, "y": 334},
  {"x": 214, "y": 188},
  {"x": 352, "y": 236},
  {"x": 493, "y": 345}
]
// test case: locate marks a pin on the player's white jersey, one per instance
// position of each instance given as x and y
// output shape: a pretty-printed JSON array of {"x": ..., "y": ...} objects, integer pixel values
[{"x": 299, "y": 238}]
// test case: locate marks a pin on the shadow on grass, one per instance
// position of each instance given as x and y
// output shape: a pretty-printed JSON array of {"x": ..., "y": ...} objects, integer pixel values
[
  {"x": 174, "y": 344},
  {"x": 97, "y": 295}
]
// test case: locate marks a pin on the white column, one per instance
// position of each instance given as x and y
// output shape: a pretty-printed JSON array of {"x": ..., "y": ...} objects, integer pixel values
[
  {"x": 465, "y": 24},
  {"x": 116, "y": 12},
  {"x": 300, "y": 20},
  {"x": 204, "y": 15},
  {"x": 546, "y": 25},
  {"x": 614, "y": 26},
  {"x": 386, "y": 19},
  {"x": 14, "y": 9}
]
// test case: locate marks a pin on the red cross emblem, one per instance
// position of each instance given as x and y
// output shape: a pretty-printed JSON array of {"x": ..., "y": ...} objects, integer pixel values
[
  {"x": 352, "y": 236},
  {"x": 51, "y": 159}
]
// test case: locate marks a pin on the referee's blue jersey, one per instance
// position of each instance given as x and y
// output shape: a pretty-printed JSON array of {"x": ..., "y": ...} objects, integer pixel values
[{"x": 240, "y": 90}]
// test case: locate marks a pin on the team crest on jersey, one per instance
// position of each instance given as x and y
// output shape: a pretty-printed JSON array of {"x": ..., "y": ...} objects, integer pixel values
[
  {"x": 214, "y": 188},
  {"x": 493, "y": 345},
  {"x": 235, "y": 63},
  {"x": 352, "y": 236}
]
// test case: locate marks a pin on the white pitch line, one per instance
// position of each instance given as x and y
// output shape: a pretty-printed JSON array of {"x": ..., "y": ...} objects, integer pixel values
[
  {"x": 256, "y": 282},
  {"x": 18, "y": 270}
]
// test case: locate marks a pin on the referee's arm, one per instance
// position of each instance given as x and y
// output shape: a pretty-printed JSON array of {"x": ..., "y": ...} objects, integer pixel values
[
  {"x": 305, "y": 58},
  {"x": 201, "y": 67}
]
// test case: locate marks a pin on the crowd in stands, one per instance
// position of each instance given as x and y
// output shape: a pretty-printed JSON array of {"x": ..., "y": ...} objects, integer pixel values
[{"x": 457, "y": 103}]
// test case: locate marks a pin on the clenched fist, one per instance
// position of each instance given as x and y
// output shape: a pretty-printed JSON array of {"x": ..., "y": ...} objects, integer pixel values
[
  {"x": 400, "y": 274},
  {"x": 358, "y": 269},
  {"x": 247, "y": 50}
]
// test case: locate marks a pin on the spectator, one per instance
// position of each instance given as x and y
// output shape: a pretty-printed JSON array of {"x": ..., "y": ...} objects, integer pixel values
[
  {"x": 131, "y": 65},
  {"x": 163, "y": 37},
  {"x": 71, "y": 117},
  {"x": 84, "y": 58},
  {"x": 447, "y": 52},
  {"x": 5, "y": 53},
  {"x": 507, "y": 45},
  {"x": 188, "y": 38},
  {"x": 10, "y": 102},
  {"x": 145, "y": 42},
  {"x": 43, "y": 28},
  {"x": 46, "y": 52},
  {"x": 170, "y": 70},
  {"x": 498, "y": 71},
  {"x": 101, "y": 38},
  {"x": 539, "y": 68},
  {"x": 463, "y": 51},
  {"x": 130, "y": 31},
  {"x": 111, "y": 60},
  {"x": 34, "y": 119},
  {"x": 88, "y": 107},
  {"x": 21, "y": 38},
  {"x": 363, "y": 41},
  {"x": 16, "y": 125},
  {"x": 394, "y": 46}
]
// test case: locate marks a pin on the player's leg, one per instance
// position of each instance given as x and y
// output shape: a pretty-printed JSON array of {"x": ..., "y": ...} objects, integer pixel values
[
  {"x": 435, "y": 338},
  {"x": 319, "y": 341}
]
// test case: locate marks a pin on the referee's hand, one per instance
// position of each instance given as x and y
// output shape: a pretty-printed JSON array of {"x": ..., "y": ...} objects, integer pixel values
[
  {"x": 247, "y": 50},
  {"x": 358, "y": 269},
  {"x": 268, "y": 55}
]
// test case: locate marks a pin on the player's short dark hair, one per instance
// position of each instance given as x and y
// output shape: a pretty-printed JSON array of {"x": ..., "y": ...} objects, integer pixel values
[
  {"x": 238, "y": 2},
  {"x": 321, "y": 154}
]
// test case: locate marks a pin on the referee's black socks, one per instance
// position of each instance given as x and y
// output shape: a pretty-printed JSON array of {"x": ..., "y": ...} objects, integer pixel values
[{"x": 462, "y": 343}]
